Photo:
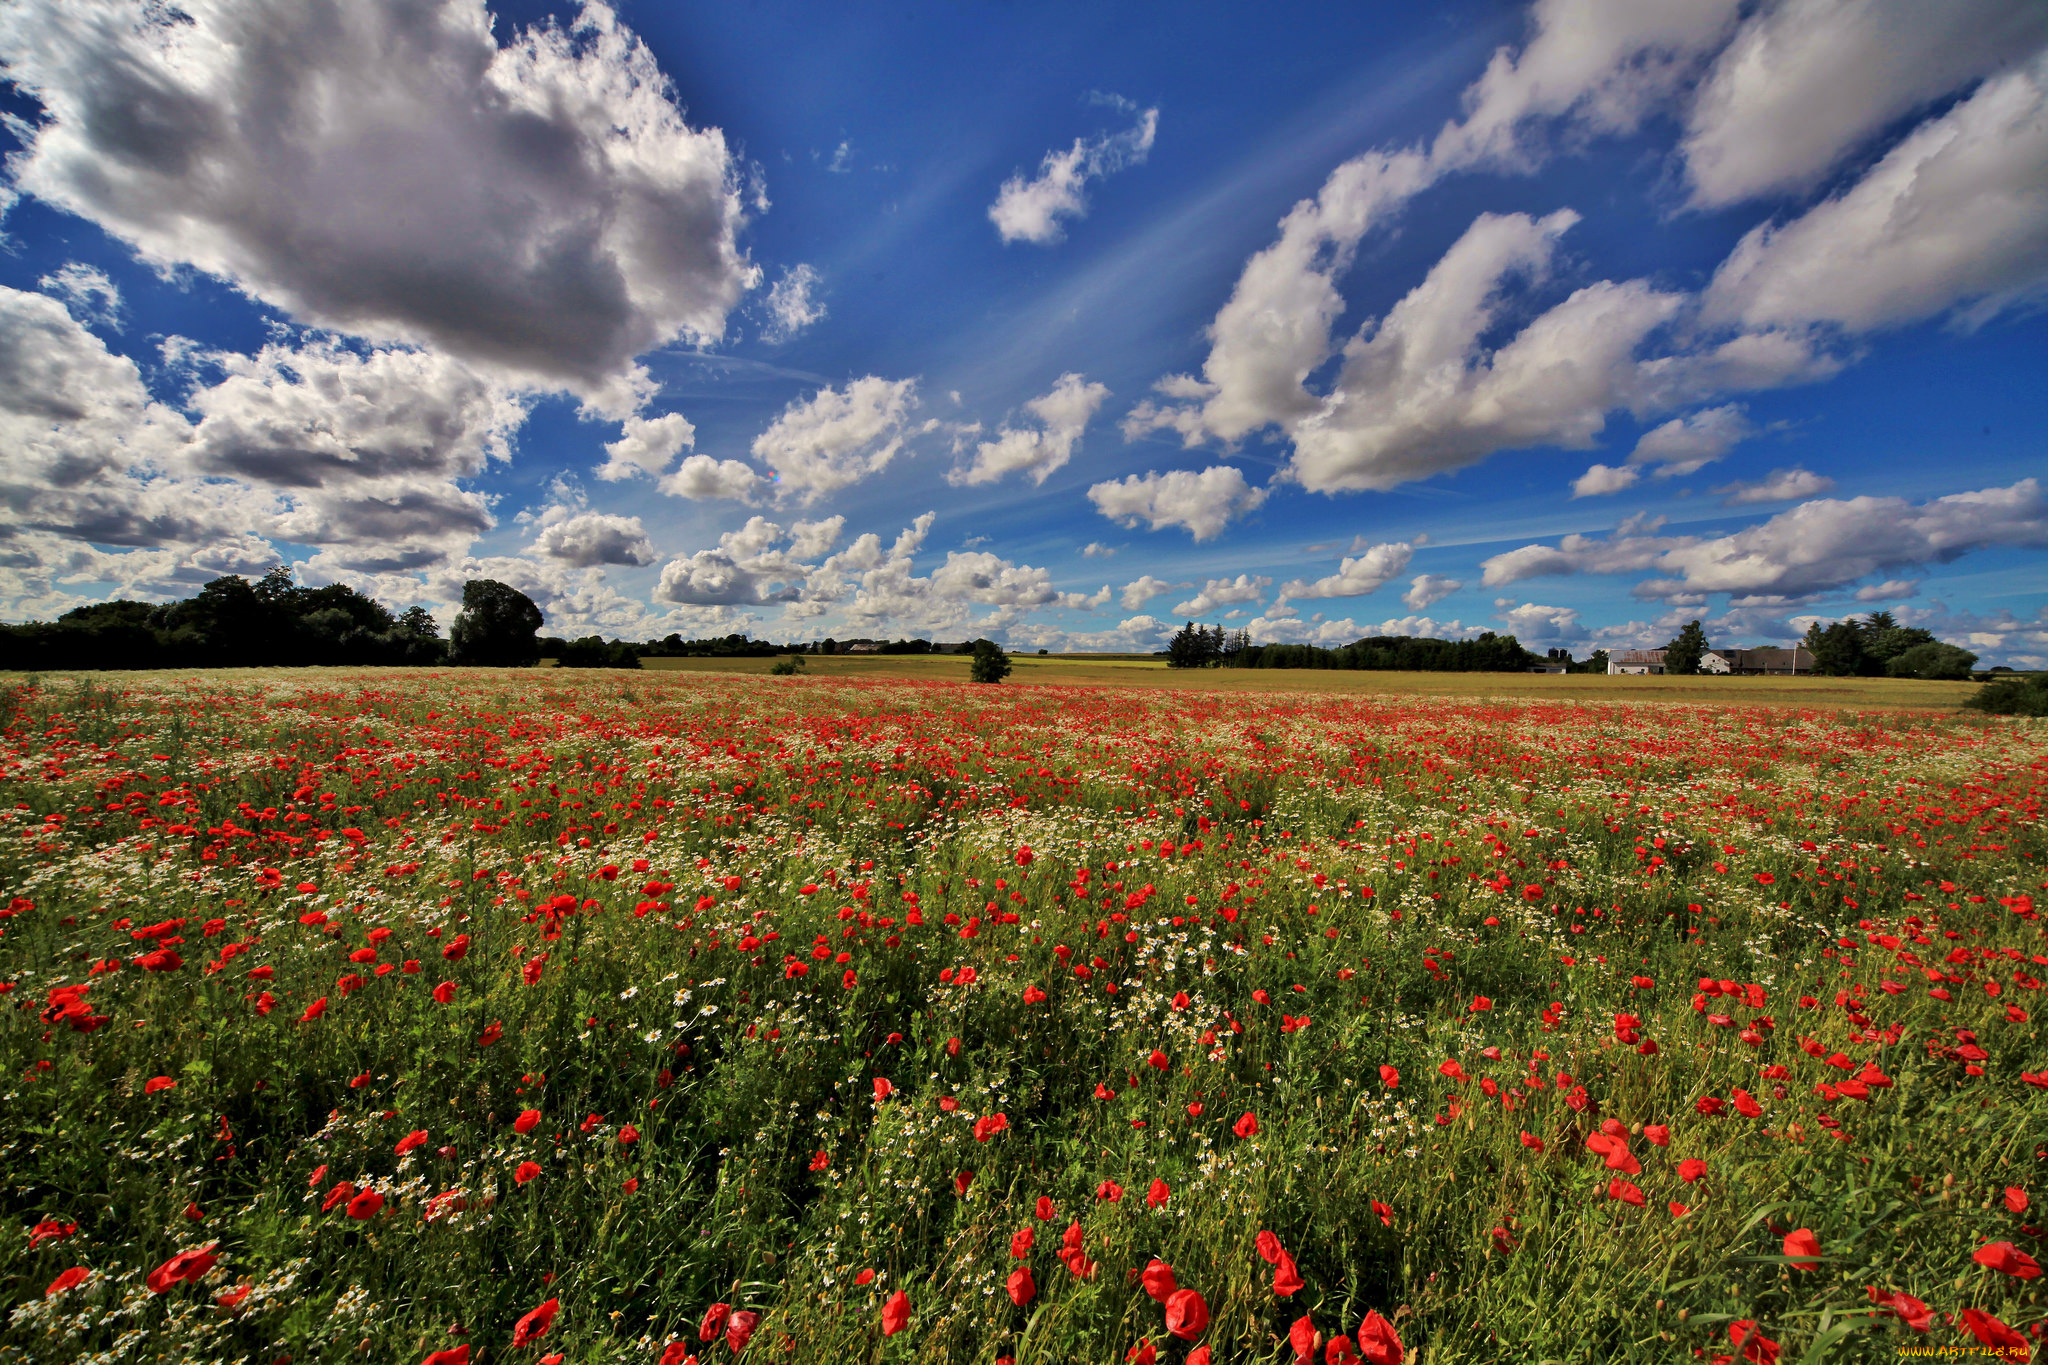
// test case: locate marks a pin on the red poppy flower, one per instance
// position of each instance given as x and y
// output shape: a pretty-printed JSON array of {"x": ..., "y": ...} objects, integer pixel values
[
  {"x": 1377, "y": 1341},
  {"x": 2007, "y": 1259},
  {"x": 1158, "y": 1060},
  {"x": 1144, "y": 1353},
  {"x": 1480, "y": 1005},
  {"x": 454, "y": 1355},
  {"x": 314, "y": 1010},
  {"x": 1677, "y": 1209},
  {"x": 526, "y": 1122},
  {"x": 526, "y": 1171},
  {"x": 1657, "y": 1135},
  {"x": 1386, "y": 1215},
  {"x": 1390, "y": 1077},
  {"x": 1804, "y": 1248},
  {"x": 1620, "y": 1189},
  {"x": 1044, "y": 1209},
  {"x": 989, "y": 1125},
  {"x": 1532, "y": 1142},
  {"x": 1286, "y": 1279},
  {"x": 961, "y": 1182},
  {"x": 714, "y": 1321},
  {"x": 1691, "y": 1169},
  {"x": 1452, "y": 1069},
  {"x": 445, "y": 992},
  {"x": 1909, "y": 1310},
  {"x": 1302, "y": 1337},
  {"x": 365, "y": 1205},
  {"x": 1269, "y": 1248},
  {"x": 416, "y": 1138},
  {"x": 1187, "y": 1314},
  {"x": 536, "y": 1323},
  {"x": 1710, "y": 1105},
  {"x": 156, "y": 1083},
  {"x": 1157, "y": 1196},
  {"x": 1022, "y": 1288},
  {"x": 2015, "y": 1199},
  {"x": 1020, "y": 1242},
  {"x": 1756, "y": 1348},
  {"x": 183, "y": 1267},
  {"x": 1111, "y": 1191},
  {"x": 675, "y": 1353},
  {"x": 895, "y": 1313},
  {"x": 1990, "y": 1330},
  {"x": 51, "y": 1231},
  {"x": 1199, "y": 1356},
  {"x": 232, "y": 1298},
  {"x": 1246, "y": 1127},
  {"x": 70, "y": 1279},
  {"x": 739, "y": 1328},
  {"x": 628, "y": 1135},
  {"x": 1747, "y": 1106},
  {"x": 883, "y": 1088}
]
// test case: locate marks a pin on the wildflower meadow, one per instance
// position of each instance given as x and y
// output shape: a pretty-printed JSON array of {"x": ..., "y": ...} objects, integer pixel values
[{"x": 481, "y": 1016}]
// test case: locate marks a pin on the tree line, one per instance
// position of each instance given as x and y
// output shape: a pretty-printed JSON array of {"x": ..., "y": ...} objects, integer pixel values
[
  {"x": 1875, "y": 647},
  {"x": 1213, "y": 647}
]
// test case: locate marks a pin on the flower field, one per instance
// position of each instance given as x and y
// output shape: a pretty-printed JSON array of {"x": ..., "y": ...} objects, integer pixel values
[{"x": 477, "y": 1017}]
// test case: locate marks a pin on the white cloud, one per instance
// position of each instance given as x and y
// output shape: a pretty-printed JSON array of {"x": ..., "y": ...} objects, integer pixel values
[
  {"x": 1062, "y": 415},
  {"x": 1829, "y": 543},
  {"x": 824, "y": 443},
  {"x": 709, "y": 578},
  {"x": 1600, "y": 480},
  {"x": 1139, "y": 591},
  {"x": 1602, "y": 65},
  {"x": 2000, "y": 637},
  {"x": 1891, "y": 590},
  {"x": 1954, "y": 215},
  {"x": 1097, "y": 550},
  {"x": 86, "y": 291},
  {"x": 1532, "y": 623},
  {"x": 1780, "y": 485},
  {"x": 1427, "y": 589},
  {"x": 1684, "y": 445},
  {"x": 585, "y": 539},
  {"x": 701, "y": 476},
  {"x": 540, "y": 209},
  {"x": 1133, "y": 635},
  {"x": 1204, "y": 503},
  {"x": 1805, "y": 82},
  {"x": 1357, "y": 576},
  {"x": 1032, "y": 210},
  {"x": 793, "y": 304},
  {"x": 646, "y": 445},
  {"x": 1815, "y": 547},
  {"x": 1219, "y": 592},
  {"x": 809, "y": 539},
  {"x": 1418, "y": 395},
  {"x": 1275, "y": 628}
]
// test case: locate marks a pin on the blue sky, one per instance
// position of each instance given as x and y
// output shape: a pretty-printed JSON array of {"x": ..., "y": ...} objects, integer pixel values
[{"x": 1055, "y": 323}]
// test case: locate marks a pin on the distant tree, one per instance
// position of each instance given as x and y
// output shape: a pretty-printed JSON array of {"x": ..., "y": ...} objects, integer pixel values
[
  {"x": 497, "y": 626},
  {"x": 1837, "y": 649},
  {"x": 1884, "y": 639},
  {"x": 2021, "y": 696},
  {"x": 594, "y": 651},
  {"x": 1932, "y": 661},
  {"x": 830, "y": 646},
  {"x": 789, "y": 667},
  {"x": 990, "y": 664},
  {"x": 1596, "y": 662},
  {"x": 1682, "y": 656},
  {"x": 1193, "y": 647}
]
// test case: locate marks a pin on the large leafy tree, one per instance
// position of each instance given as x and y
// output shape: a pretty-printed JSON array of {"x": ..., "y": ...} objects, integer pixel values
[
  {"x": 499, "y": 625},
  {"x": 1683, "y": 654},
  {"x": 990, "y": 664}
]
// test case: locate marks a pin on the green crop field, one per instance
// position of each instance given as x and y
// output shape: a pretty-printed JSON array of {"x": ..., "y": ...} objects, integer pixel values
[{"x": 591, "y": 1016}]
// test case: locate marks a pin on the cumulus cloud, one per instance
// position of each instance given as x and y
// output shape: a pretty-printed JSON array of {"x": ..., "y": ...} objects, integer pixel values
[
  {"x": 793, "y": 304},
  {"x": 86, "y": 291},
  {"x": 585, "y": 539},
  {"x": 1204, "y": 503},
  {"x": 646, "y": 445},
  {"x": 1684, "y": 445},
  {"x": 701, "y": 476},
  {"x": 1095, "y": 549},
  {"x": 1780, "y": 485},
  {"x": 1218, "y": 592},
  {"x": 1061, "y": 416},
  {"x": 832, "y": 439},
  {"x": 1276, "y": 628},
  {"x": 1426, "y": 589},
  {"x": 1600, "y": 480},
  {"x": 1139, "y": 591},
  {"x": 1133, "y": 635},
  {"x": 1032, "y": 210},
  {"x": 1954, "y": 215},
  {"x": 391, "y": 171},
  {"x": 1533, "y": 623},
  {"x": 809, "y": 539},
  {"x": 1356, "y": 576},
  {"x": 1815, "y": 547},
  {"x": 1805, "y": 82}
]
